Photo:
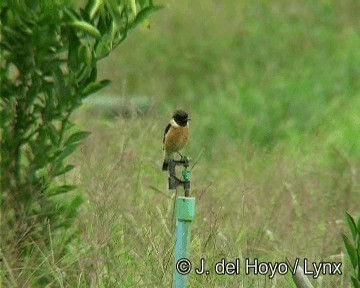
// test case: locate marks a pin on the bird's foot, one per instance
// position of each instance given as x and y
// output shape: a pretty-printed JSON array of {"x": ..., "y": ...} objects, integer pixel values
[{"x": 180, "y": 154}]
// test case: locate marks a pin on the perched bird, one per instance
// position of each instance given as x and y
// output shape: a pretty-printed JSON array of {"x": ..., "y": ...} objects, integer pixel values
[{"x": 176, "y": 135}]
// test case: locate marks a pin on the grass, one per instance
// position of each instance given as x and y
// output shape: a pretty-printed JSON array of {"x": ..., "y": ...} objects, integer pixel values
[
  {"x": 272, "y": 89},
  {"x": 269, "y": 205}
]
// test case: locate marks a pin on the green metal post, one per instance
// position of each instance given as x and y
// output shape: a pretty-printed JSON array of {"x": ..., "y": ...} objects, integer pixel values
[{"x": 185, "y": 212}]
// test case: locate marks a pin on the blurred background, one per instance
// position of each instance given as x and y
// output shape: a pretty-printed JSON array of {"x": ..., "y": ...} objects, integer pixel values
[
  {"x": 251, "y": 71},
  {"x": 273, "y": 91}
]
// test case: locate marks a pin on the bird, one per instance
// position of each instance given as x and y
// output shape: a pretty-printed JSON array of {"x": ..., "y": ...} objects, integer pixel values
[{"x": 176, "y": 136}]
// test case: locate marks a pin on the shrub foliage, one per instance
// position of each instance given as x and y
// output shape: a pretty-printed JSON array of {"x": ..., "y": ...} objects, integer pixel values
[
  {"x": 352, "y": 246},
  {"x": 49, "y": 54}
]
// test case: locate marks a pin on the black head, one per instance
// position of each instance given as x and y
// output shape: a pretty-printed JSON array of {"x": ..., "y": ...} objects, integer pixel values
[{"x": 181, "y": 117}]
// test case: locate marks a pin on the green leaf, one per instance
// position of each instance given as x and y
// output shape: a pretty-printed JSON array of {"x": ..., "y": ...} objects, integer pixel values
[
  {"x": 74, "y": 44},
  {"x": 53, "y": 134},
  {"x": 64, "y": 170},
  {"x": 133, "y": 7},
  {"x": 93, "y": 75},
  {"x": 60, "y": 83},
  {"x": 144, "y": 14},
  {"x": 355, "y": 282},
  {"x": 351, "y": 224},
  {"x": 60, "y": 190},
  {"x": 115, "y": 11},
  {"x": 85, "y": 55},
  {"x": 94, "y": 87},
  {"x": 351, "y": 251},
  {"x": 72, "y": 14},
  {"x": 76, "y": 202},
  {"x": 76, "y": 137},
  {"x": 104, "y": 22},
  {"x": 74, "y": 205},
  {"x": 96, "y": 5},
  {"x": 83, "y": 74},
  {"x": 87, "y": 28},
  {"x": 102, "y": 48},
  {"x": 66, "y": 152}
]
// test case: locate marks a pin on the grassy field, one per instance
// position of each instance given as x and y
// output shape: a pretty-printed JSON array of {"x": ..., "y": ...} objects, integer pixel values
[{"x": 273, "y": 91}]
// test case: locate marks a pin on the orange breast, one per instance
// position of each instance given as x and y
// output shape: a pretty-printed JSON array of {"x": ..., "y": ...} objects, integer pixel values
[{"x": 176, "y": 139}]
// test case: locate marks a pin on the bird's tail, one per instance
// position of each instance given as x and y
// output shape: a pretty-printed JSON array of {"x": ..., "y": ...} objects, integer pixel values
[{"x": 165, "y": 165}]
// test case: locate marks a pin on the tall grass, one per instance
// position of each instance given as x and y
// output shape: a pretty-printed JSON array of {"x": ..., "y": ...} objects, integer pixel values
[{"x": 270, "y": 205}]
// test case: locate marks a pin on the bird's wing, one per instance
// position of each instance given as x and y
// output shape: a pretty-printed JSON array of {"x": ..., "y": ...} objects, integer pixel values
[{"x": 166, "y": 130}]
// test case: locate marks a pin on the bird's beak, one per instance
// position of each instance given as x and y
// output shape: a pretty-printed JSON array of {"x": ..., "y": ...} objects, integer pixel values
[{"x": 188, "y": 119}]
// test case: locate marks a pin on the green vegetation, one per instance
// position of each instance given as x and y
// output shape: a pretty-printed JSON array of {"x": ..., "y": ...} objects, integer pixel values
[
  {"x": 49, "y": 53},
  {"x": 273, "y": 91},
  {"x": 353, "y": 247}
]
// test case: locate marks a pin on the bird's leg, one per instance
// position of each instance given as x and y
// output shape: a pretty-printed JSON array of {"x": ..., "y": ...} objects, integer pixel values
[
  {"x": 180, "y": 154},
  {"x": 184, "y": 160}
]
